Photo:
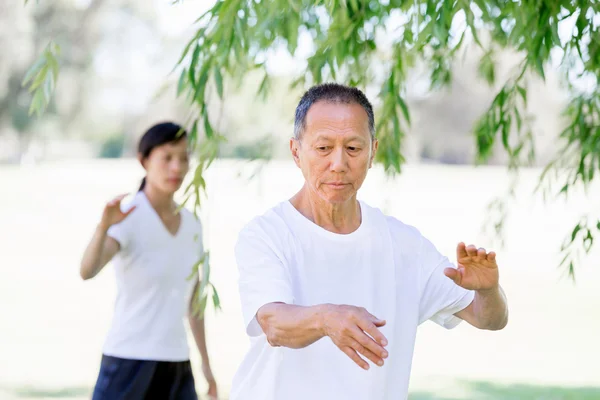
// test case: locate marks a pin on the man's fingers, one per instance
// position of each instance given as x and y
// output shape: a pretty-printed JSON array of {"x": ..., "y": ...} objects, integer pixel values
[
  {"x": 453, "y": 274},
  {"x": 355, "y": 357},
  {"x": 367, "y": 353},
  {"x": 461, "y": 250},
  {"x": 371, "y": 328},
  {"x": 471, "y": 250},
  {"x": 379, "y": 323},
  {"x": 481, "y": 253},
  {"x": 369, "y": 342}
]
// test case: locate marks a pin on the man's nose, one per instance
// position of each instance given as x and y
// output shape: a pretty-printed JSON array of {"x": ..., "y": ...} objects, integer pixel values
[{"x": 339, "y": 162}]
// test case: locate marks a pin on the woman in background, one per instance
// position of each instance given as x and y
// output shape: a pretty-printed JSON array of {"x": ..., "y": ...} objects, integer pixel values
[{"x": 153, "y": 248}]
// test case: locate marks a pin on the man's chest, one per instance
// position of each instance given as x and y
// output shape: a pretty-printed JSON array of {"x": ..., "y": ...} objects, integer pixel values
[{"x": 351, "y": 273}]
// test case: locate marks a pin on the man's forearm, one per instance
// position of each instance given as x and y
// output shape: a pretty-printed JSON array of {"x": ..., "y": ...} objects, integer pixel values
[
  {"x": 291, "y": 326},
  {"x": 490, "y": 308}
]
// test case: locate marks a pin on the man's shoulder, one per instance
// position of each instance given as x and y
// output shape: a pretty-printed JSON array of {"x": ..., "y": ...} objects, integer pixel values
[
  {"x": 271, "y": 223},
  {"x": 395, "y": 225},
  {"x": 402, "y": 233}
]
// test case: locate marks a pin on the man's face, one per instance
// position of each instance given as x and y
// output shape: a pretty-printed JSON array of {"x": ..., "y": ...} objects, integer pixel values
[{"x": 335, "y": 150}]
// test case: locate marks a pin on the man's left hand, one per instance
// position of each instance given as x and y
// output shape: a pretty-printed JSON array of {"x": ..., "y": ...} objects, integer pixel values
[{"x": 477, "y": 269}]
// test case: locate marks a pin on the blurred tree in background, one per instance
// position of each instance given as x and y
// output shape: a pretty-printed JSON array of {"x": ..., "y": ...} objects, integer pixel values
[
  {"x": 377, "y": 45},
  {"x": 92, "y": 48}
]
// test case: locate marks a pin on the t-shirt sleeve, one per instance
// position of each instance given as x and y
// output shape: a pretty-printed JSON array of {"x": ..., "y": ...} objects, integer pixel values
[
  {"x": 440, "y": 297},
  {"x": 122, "y": 231},
  {"x": 263, "y": 277}
]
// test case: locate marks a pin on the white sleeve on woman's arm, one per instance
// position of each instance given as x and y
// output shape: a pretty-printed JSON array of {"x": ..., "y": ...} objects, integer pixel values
[{"x": 122, "y": 231}]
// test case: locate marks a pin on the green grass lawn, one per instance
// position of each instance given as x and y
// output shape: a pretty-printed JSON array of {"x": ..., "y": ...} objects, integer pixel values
[
  {"x": 494, "y": 391},
  {"x": 460, "y": 390}
]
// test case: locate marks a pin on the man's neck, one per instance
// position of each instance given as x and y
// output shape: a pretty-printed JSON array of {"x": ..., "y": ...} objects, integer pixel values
[
  {"x": 340, "y": 218},
  {"x": 162, "y": 202}
]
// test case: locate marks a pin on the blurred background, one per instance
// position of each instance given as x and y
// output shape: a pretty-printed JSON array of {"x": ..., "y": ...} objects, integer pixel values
[{"x": 116, "y": 80}]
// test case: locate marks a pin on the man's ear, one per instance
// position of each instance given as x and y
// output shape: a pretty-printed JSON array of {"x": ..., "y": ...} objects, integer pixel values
[
  {"x": 375, "y": 144},
  {"x": 295, "y": 149}
]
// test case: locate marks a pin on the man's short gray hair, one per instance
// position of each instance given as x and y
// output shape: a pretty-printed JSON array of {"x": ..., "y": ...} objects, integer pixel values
[{"x": 332, "y": 93}]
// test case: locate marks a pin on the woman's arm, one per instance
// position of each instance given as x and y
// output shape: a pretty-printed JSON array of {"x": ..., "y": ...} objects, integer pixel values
[
  {"x": 101, "y": 248},
  {"x": 197, "y": 327}
]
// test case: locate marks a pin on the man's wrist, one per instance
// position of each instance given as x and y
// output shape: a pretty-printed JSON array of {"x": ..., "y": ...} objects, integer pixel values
[
  {"x": 489, "y": 292},
  {"x": 320, "y": 318}
]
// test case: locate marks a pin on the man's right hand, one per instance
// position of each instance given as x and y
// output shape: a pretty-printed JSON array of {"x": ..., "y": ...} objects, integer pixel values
[
  {"x": 355, "y": 331},
  {"x": 352, "y": 329},
  {"x": 112, "y": 213}
]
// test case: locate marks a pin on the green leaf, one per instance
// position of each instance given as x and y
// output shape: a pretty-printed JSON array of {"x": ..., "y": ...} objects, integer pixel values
[
  {"x": 38, "y": 103},
  {"x": 264, "y": 87},
  {"x": 555, "y": 37},
  {"x": 194, "y": 272},
  {"x": 34, "y": 69},
  {"x": 505, "y": 132},
  {"x": 200, "y": 306},
  {"x": 39, "y": 79},
  {"x": 205, "y": 274},
  {"x": 219, "y": 82},
  {"x": 208, "y": 130},
  {"x": 193, "y": 64},
  {"x": 48, "y": 87},
  {"x": 575, "y": 231},
  {"x": 523, "y": 94},
  {"x": 518, "y": 118},
  {"x": 215, "y": 298},
  {"x": 354, "y": 4},
  {"x": 350, "y": 29},
  {"x": 292, "y": 39},
  {"x": 203, "y": 78},
  {"x": 540, "y": 67},
  {"x": 189, "y": 45},
  {"x": 193, "y": 138},
  {"x": 404, "y": 108},
  {"x": 588, "y": 241},
  {"x": 182, "y": 82},
  {"x": 487, "y": 68}
]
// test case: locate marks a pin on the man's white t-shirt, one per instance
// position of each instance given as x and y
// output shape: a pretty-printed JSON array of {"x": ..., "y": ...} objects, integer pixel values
[
  {"x": 153, "y": 292},
  {"x": 385, "y": 266}
]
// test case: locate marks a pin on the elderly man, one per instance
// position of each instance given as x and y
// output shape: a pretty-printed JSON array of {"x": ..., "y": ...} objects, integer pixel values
[{"x": 329, "y": 284}]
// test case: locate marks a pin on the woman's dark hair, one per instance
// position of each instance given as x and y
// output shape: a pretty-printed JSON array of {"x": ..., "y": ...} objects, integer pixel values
[{"x": 159, "y": 134}]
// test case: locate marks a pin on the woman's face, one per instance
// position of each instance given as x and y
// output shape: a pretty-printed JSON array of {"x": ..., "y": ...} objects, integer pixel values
[{"x": 167, "y": 165}]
